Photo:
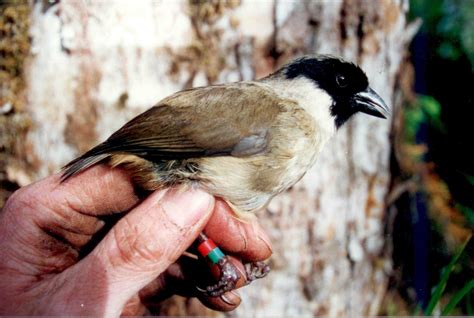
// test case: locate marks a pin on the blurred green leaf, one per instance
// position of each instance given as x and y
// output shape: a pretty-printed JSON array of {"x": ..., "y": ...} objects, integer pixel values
[
  {"x": 414, "y": 116},
  {"x": 467, "y": 212},
  {"x": 430, "y": 106},
  {"x": 425, "y": 109},
  {"x": 457, "y": 297},
  {"x": 470, "y": 179},
  {"x": 446, "y": 272},
  {"x": 469, "y": 309},
  {"x": 449, "y": 51},
  {"x": 428, "y": 10}
]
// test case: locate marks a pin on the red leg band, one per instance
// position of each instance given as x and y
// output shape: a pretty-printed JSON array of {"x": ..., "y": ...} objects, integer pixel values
[{"x": 206, "y": 247}]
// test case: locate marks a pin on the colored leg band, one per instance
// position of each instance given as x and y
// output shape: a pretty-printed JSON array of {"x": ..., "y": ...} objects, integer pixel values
[
  {"x": 209, "y": 250},
  {"x": 215, "y": 255},
  {"x": 206, "y": 247}
]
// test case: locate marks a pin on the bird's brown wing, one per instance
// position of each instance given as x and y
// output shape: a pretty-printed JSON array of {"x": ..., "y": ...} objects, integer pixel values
[{"x": 221, "y": 120}]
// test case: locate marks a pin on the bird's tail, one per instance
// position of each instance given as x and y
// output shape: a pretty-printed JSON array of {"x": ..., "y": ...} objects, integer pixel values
[{"x": 81, "y": 164}]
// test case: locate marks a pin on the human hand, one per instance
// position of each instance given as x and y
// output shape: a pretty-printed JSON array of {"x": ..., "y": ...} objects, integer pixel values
[{"x": 90, "y": 247}]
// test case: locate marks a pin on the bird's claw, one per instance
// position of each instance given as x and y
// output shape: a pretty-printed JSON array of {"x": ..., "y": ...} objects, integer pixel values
[
  {"x": 230, "y": 276},
  {"x": 256, "y": 270},
  {"x": 227, "y": 281}
]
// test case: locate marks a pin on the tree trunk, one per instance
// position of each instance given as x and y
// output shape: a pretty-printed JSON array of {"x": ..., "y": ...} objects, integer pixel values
[{"x": 94, "y": 65}]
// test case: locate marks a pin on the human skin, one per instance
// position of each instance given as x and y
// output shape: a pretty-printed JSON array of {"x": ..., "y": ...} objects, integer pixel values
[{"x": 90, "y": 246}]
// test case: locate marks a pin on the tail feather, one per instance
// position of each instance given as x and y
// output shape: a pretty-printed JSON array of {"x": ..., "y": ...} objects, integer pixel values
[{"x": 81, "y": 164}]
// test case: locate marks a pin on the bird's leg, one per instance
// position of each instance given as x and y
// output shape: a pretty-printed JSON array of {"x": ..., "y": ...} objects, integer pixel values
[{"x": 228, "y": 274}]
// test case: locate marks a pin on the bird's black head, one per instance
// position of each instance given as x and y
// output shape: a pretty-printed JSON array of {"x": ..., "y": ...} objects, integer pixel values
[{"x": 345, "y": 82}]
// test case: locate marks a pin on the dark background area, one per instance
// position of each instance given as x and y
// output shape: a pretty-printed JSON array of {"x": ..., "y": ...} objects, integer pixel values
[{"x": 436, "y": 218}]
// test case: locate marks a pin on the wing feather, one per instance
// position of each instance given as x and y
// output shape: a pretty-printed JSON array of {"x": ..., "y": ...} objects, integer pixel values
[{"x": 211, "y": 121}]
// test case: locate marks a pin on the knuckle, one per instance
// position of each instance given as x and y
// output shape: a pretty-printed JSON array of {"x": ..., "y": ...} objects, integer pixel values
[
  {"x": 15, "y": 200},
  {"x": 18, "y": 205},
  {"x": 135, "y": 249}
]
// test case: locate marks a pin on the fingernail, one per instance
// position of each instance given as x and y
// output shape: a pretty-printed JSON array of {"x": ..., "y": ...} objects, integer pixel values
[
  {"x": 99, "y": 224},
  {"x": 264, "y": 238},
  {"x": 231, "y": 298},
  {"x": 187, "y": 208},
  {"x": 243, "y": 274}
]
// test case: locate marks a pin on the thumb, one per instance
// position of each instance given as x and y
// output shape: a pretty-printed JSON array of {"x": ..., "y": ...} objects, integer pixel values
[{"x": 145, "y": 243}]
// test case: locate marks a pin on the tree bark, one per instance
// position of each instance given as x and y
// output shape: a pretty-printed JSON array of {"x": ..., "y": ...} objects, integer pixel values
[{"x": 95, "y": 65}]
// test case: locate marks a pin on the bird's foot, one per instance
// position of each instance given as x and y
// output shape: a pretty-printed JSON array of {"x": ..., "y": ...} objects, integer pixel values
[
  {"x": 228, "y": 279},
  {"x": 256, "y": 270},
  {"x": 231, "y": 277},
  {"x": 229, "y": 272}
]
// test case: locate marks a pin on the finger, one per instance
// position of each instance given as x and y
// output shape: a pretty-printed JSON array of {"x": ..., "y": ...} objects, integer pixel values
[
  {"x": 50, "y": 215},
  {"x": 145, "y": 242},
  {"x": 45, "y": 214},
  {"x": 226, "y": 302},
  {"x": 248, "y": 240},
  {"x": 99, "y": 190},
  {"x": 180, "y": 279},
  {"x": 134, "y": 307}
]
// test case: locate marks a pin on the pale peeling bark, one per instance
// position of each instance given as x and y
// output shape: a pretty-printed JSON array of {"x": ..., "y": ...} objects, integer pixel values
[{"x": 97, "y": 64}]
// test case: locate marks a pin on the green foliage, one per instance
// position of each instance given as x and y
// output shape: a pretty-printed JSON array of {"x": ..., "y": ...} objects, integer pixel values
[
  {"x": 438, "y": 291},
  {"x": 429, "y": 10},
  {"x": 452, "y": 21},
  {"x": 468, "y": 214},
  {"x": 470, "y": 179},
  {"x": 469, "y": 307},
  {"x": 457, "y": 297},
  {"x": 425, "y": 109},
  {"x": 448, "y": 28}
]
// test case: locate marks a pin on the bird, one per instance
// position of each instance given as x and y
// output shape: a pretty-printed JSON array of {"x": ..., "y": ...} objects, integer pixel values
[{"x": 244, "y": 142}]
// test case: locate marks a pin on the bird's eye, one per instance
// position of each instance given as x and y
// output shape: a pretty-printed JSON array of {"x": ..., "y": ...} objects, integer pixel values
[{"x": 341, "y": 81}]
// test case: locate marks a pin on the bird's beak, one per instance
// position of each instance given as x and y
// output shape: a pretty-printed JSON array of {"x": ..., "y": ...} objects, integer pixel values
[{"x": 371, "y": 103}]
